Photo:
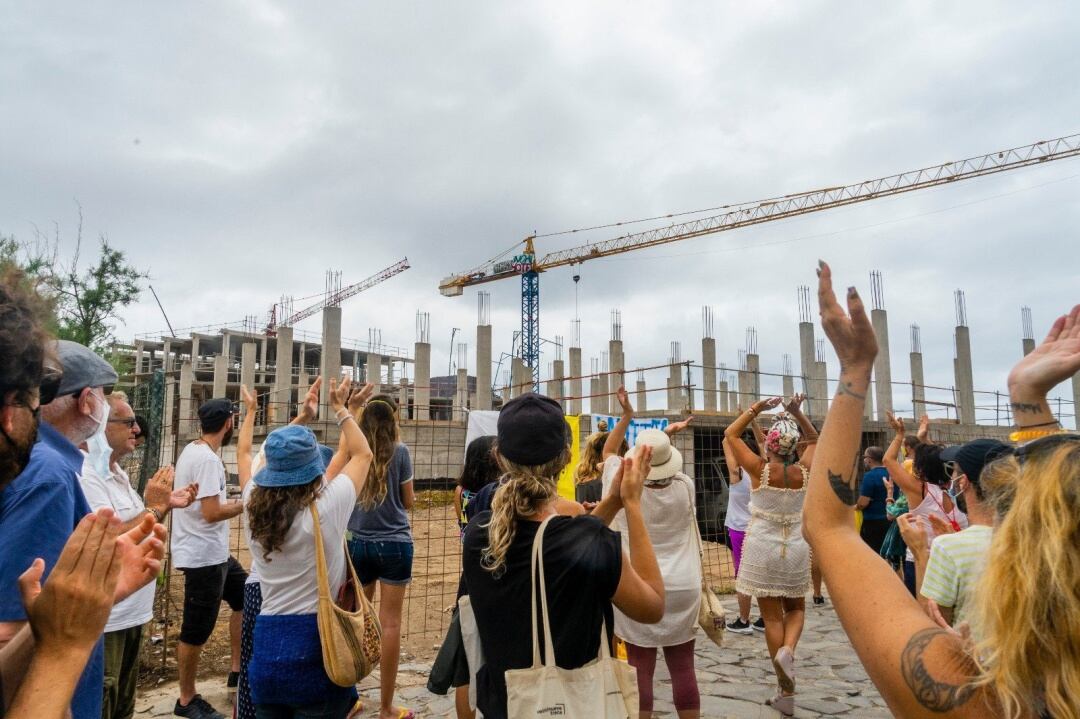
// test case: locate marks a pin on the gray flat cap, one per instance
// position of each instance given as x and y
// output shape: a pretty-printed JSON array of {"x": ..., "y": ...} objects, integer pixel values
[{"x": 82, "y": 368}]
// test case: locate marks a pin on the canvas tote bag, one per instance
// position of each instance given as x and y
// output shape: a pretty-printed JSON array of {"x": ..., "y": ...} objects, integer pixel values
[
  {"x": 350, "y": 639},
  {"x": 605, "y": 687},
  {"x": 711, "y": 616}
]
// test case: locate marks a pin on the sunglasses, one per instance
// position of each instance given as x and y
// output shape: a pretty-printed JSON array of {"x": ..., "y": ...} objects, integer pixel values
[
  {"x": 1042, "y": 444},
  {"x": 130, "y": 422}
]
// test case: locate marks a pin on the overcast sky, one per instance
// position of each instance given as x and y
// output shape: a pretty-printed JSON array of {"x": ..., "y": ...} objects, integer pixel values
[{"x": 238, "y": 150}]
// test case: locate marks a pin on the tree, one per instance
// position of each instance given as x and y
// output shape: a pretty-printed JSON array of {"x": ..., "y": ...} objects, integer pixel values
[{"x": 85, "y": 303}]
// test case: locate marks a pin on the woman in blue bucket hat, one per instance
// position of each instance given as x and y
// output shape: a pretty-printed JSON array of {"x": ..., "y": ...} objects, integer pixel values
[{"x": 286, "y": 672}]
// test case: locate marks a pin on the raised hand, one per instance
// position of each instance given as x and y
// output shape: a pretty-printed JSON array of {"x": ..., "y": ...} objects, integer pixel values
[
  {"x": 359, "y": 396},
  {"x": 158, "y": 492},
  {"x": 676, "y": 427},
  {"x": 339, "y": 393},
  {"x": 1053, "y": 361},
  {"x": 141, "y": 551},
  {"x": 624, "y": 400},
  {"x": 795, "y": 403},
  {"x": 889, "y": 486},
  {"x": 251, "y": 402},
  {"x": 923, "y": 433},
  {"x": 635, "y": 468},
  {"x": 763, "y": 404},
  {"x": 896, "y": 423},
  {"x": 852, "y": 337}
]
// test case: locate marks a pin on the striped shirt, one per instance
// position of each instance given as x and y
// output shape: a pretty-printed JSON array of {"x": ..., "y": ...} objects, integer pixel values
[{"x": 956, "y": 562}]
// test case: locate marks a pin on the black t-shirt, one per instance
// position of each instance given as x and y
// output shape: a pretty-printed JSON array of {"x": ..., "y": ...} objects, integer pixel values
[
  {"x": 582, "y": 566},
  {"x": 590, "y": 491}
]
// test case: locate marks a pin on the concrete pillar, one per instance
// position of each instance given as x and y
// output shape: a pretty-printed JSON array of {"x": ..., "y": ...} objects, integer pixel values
[
  {"x": 789, "y": 386},
  {"x": 139, "y": 354},
  {"x": 918, "y": 389},
  {"x": 188, "y": 410},
  {"x": 194, "y": 350},
  {"x": 574, "y": 405},
  {"x": 708, "y": 363},
  {"x": 390, "y": 381},
  {"x": 555, "y": 385},
  {"x": 461, "y": 399},
  {"x": 281, "y": 400},
  {"x": 525, "y": 380},
  {"x": 303, "y": 382},
  {"x": 330, "y": 360},
  {"x": 302, "y": 362},
  {"x": 594, "y": 396},
  {"x": 1029, "y": 345},
  {"x": 483, "y": 367},
  {"x": 1076, "y": 400},
  {"x": 403, "y": 397},
  {"x": 167, "y": 410},
  {"x": 821, "y": 386},
  {"x": 422, "y": 381},
  {"x": 868, "y": 406},
  {"x": 724, "y": 399},
  {"x": 247, "y": 364},
  {"x": 601, "y": 396},
  {"x": 263, "y": 360},
  {"x": 617, "y": 377},
  {"x": 226, "y": 344},
  {"x": 964, "y": 385},
  {"x": 221, "y": 375},
  {"x": 882, "y": 365},
  {"x": 675, "y": 402},
  {"x": 807, "y": 360},
  {"x": 373, "y": 373},
  {"x": 641, "y": 400},
  {"x": 753, "y": 371},
  {"x": 744, "y": 389},
  {"x": 166, "y": 356},
  {"x": 516, "y": 370}
]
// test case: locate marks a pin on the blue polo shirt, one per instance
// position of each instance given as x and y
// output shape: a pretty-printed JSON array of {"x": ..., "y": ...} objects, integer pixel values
[
  {"x": 38, "y": 512},
  {"x": 873, "y": 487}
]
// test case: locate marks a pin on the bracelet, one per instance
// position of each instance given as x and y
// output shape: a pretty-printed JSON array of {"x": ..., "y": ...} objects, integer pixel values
[
  {"x": 340, "y": 414},
  {"x": 1023, "y": 435},
  {"x": 341, "y": 420},
  {"x": 158, "y": 514}
]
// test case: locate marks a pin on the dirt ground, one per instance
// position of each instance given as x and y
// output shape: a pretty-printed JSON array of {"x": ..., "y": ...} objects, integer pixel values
[{"x": 428, "y": 601}]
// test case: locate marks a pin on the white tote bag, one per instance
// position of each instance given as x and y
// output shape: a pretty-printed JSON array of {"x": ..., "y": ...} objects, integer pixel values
[{"x": 605, "y": 687}]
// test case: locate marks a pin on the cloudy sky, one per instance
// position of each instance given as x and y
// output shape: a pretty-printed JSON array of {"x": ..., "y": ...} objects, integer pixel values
[{"x": 239, "y": 150}]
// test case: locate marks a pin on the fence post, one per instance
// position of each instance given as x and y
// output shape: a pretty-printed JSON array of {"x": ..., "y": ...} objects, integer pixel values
[{"x": 154, "y": 411}]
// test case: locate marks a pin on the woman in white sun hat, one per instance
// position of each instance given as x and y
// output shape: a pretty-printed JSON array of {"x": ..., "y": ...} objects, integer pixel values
[{"x": 667, "y": 505}]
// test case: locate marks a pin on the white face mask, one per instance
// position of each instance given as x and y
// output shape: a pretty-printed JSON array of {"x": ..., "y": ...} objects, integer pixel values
[{"x": 98, "y": 444}]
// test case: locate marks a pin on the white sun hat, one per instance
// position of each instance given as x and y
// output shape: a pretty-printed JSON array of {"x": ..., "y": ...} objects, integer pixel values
[{"x": 666, "y": 460}]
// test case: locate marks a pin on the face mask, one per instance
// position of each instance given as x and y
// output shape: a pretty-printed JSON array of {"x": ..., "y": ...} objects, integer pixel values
[
  {"x": 953, "y": 489},
  {"x": 100, "y": 451}
]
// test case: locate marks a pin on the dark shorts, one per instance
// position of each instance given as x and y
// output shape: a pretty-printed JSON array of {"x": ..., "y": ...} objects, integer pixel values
[
  {"x": 873, "y": 532},
  {"x": 387, "y": 562},
  {"x": 205, "y": 588}
]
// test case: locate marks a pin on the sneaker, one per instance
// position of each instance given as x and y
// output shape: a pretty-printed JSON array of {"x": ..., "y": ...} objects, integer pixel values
[
  {"x": 818, "y": 600},
  {"x": 759, "y": 625},
  {"x": 233, "y": 681},
  {"x": 197, "y": 708},
  {"x": 739, "y": 627}
]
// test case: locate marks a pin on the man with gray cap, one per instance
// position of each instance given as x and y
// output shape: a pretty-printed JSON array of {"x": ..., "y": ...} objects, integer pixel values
[
  {"x": 200, "y": 549},
  {"x": 958, "y": 560},
  {"x": 41, "y": 507}
]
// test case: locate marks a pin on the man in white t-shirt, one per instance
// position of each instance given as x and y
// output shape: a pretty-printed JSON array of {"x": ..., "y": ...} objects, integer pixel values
[
  {"x": 200, "y": 549},
  {"x": 128, "y": 619}
]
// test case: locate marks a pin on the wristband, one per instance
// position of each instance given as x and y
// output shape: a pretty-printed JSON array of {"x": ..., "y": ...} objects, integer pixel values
[
  {"x": 341, "y": 413},
  {"x": 1023, "y": 435},
  {"x": 159, "y": 516},
  {"x": 341, "y": 420}
]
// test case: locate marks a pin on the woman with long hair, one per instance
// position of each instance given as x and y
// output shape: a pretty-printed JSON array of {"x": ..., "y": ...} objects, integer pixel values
[
  {"x": 923, "y": 488},
  {"x": 480, "y": 470},
  {"x": 587, "y": 570},
  {"x": 736, "y": 520},
  {"x": 588, "y": 484},
  {"x": 776, "y": 560},
  {"x": 1026, "y": 664},
  {"x": 286, "y": 673},
  {"x": 380, "y": 539}
]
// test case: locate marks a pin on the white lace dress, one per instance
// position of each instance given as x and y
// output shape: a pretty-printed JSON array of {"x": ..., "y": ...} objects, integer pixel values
[{"x": 775, "y": 558}]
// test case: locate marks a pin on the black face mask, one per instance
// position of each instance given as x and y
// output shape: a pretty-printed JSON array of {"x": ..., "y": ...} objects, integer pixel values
[{"x": 15, "y": 457}]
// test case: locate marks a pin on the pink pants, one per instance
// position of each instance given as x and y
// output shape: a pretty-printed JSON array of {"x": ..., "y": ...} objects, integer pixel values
[
  {"x": 736, "y": 538},
  {"x": 680, "y": 663}
]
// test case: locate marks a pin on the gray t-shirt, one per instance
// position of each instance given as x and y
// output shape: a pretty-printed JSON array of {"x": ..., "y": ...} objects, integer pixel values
[{"x": 388, "y": 521}]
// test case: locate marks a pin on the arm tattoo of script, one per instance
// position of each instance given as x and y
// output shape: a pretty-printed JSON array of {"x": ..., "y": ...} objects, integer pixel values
[
  {"x": 934, "y": 694},
  {"x": 1023, "y": 407},
  {"x": 844, "y": 490}
]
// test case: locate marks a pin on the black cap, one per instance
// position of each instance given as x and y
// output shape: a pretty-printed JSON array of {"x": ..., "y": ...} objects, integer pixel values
[
  {"x": 214, "y": 412},
  {"x": 83, "y": 367},
  {"x": 531, "y": 429},
  {"x": 974, "y": 455}
]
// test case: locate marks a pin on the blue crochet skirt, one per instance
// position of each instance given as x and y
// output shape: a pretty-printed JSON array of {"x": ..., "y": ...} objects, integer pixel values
[{"x": 286, "y": 664}]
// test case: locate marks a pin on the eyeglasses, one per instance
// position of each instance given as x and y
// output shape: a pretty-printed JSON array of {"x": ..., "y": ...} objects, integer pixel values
[
  {"x": 130, "y": 421},
  {"x": 1043, "y": 443}
]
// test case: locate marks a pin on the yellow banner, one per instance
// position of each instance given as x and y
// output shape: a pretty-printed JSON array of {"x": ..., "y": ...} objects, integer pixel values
[{"x": 566, "y": 478}]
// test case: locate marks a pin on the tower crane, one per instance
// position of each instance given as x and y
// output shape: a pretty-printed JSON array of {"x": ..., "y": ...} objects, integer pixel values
[
  {"x": 331, "y": 299},
  {"x": 525, "y": 264}
]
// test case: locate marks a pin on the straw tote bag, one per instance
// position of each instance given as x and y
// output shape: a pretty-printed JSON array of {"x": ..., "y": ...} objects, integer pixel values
[
  {"x": 605, "y": 687},
  {"x": 711, "y": 617},
  {"x": 350, "y": 639}
]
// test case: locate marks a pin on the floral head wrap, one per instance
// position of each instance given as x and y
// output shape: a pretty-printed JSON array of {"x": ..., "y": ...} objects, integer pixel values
[{"x": 783, "y": 436}]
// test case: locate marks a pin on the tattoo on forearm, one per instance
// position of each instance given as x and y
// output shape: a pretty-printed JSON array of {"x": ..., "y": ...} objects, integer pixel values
[
  {"x": 932, "y": 693},
  {"x": 844, "y": 489},
  {"x": 845, "y": 388},
  {"x": 1028, "y": 408}
]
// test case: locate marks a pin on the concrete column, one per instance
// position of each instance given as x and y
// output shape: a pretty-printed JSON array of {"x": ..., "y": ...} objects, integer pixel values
[
  {"x": 483, "y": 367},
  {"x": 226, "y": 344},
  {"x": 263, "y": 361},
  {"x": 422, "y": 381},
  {"x": 882, "y": 366},
  {"x": 753, "y": 371},
  {"x": 247, "y": 364},
  {"x": 918, "y": 390},
  {"x": 555, "y": 386},
  {"x": 524, "y": 380},
  {"x": 194, "y": 349},
  {"x": 789, "y": 386},
  {"x": 641, "y": 400},
  {"x": 188, "y": 410},
  {"x": 675, "y": 389},
  {"x": 167, "y": 410},
  {"x": 574, "y": 405},
  {"x": 821, "y": 387},
  {"x": 516, "y": 367},
  {"x": 403, "y": 397},
  {"x": 303, "y": 382},
  {"x": 868, "y": 406},
  {"x": 221, "y": 375},
  {"x": 964, "y": 384},
  {"x": 373, "y": 373},
  {"x": 617, "y": 377},
  {"x": 461, "y": 400},
  {"x": 166, "y": 356},
  {"x": 708, "y": 363},
  {"x": 390, "y": 371},
  {"x": 330, "y": 360},
  {"x": 600, "y": 399},
  {"x": 807, "y": 360},
  {"x": 1076, "y": 400},
  {"x": 744, "y": 389},
  {"x": 303, "y": 358},
  {"x": 724, "y": 403},
  {"x": 1029, "y": 345},
  {"x": 281, "y": 400},
  {"x": 594, "y": 396},
  {"x": 139, "y": 353}
]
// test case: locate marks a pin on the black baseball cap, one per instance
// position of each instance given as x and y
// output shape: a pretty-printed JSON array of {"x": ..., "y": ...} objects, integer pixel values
[
  {"x": 974, "y": 455},
  {"x": 82, "y": 368},
  {"x": 531, "y": 429},
  {"x": 214, "y": 412}
]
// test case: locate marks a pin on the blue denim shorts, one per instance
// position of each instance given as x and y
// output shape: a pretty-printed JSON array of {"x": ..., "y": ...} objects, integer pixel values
[{"x": 387, "y": 562}]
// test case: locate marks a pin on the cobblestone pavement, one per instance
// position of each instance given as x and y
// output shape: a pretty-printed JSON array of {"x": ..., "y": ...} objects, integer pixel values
[{"x": 734, "y": 680}]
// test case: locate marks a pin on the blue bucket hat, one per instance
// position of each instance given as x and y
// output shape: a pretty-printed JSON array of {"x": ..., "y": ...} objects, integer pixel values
[
  {"x": 293, "y": 457},
  {"x": 327, "y": 454}
]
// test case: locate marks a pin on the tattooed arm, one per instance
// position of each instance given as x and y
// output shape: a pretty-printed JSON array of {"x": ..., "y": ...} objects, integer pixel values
[
  {"x": 1057, "y": 358},
  {"x": 919, "y": 668},
  {"x": 746, "y": 459}
]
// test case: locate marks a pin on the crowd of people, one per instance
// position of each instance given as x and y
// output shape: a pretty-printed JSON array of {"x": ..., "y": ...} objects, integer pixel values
[{"x": 954, "y": 570}]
